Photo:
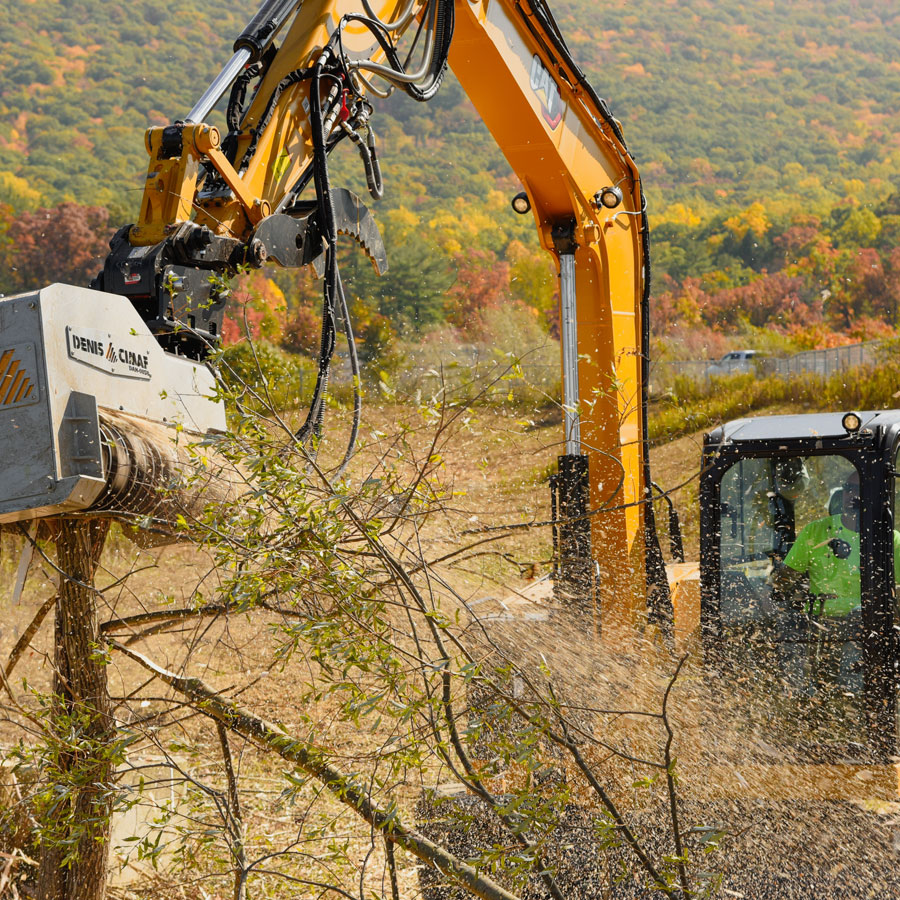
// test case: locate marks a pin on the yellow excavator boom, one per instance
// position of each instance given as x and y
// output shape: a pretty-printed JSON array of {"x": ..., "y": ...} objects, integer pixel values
[{"x": 311, "y": 68}]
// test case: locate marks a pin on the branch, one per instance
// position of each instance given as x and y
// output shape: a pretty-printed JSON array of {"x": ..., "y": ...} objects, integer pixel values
[
  {"x": 161, "y": 619},
  {"x": 163, "y": 615},
  {"x": 233, "y": 816},
  {"x": 392, "y": 869},
  {"x": 670, "y": 781},
  {"x": 311, "y": 761},
  {"x": 28, "y": 634}
]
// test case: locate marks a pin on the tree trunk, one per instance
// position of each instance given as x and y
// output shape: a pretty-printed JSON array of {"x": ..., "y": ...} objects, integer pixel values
[{"x": 74, "y": 860}]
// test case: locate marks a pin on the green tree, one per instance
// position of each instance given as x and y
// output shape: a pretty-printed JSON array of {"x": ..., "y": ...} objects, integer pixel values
[
  {"x": 411, "y": 294},
  {"x": 860, "y": 228}
]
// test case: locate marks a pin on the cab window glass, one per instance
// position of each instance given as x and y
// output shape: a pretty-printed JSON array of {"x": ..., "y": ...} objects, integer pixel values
[
  {"x": 896, "y": 540},
  {"x": 765, "y": 504}
]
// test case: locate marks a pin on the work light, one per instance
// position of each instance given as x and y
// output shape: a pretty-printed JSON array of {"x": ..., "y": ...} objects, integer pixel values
[{"x": 521, "y": 204}]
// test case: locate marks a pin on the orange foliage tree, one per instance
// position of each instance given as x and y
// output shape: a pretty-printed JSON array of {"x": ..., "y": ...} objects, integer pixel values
[
  {"x": 256, "y": 309},
  {"x": 482, "y": 283},
  {"x": 65, "y": 243}
]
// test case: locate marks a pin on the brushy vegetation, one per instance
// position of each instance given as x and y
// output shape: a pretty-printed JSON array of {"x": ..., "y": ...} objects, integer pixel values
[
  {"x": 267, "y": 376},
  {"x": 348, "y": 612},
  {"x": 697, "y": 405},
  {"x": 486, "y": 377}
]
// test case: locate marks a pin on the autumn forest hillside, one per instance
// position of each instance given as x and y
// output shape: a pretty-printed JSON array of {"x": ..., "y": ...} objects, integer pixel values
[{"x": 768, "y": 136}]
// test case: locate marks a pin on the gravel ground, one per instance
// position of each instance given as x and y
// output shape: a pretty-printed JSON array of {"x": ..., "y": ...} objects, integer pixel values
[{"x": 774, "y": 851}]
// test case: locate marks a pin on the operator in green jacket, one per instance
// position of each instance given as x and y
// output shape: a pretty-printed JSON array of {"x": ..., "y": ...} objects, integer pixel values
[{"x": 827, "y": 550}]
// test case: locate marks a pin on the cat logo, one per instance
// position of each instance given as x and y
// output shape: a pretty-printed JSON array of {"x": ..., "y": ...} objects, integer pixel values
[
  {"x": 547, "y": 91},
  {"x": 17, "y": 387}
]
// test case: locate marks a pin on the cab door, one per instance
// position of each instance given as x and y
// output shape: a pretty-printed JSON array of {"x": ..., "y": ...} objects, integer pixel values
[{"x": 801, "y": 658}]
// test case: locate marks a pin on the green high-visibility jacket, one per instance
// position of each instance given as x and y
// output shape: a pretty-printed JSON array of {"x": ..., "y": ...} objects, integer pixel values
[{"x": 829, "y": 575}]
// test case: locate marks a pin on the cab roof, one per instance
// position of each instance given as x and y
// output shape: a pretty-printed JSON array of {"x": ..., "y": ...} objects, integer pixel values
[{"x": 799, "y": 427}]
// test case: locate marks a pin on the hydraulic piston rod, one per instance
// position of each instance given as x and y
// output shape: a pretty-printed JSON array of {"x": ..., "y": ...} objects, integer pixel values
[
  {"x": 570, "y": 488},
  {"x": 569, "y": 354},
  {"x": 248, "y": 48},
  {"x": 220, "y": 84}
]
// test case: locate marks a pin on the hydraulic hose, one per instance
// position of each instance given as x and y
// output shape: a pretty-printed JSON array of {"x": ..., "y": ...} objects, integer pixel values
[
  {"x": 437, "y": 52},
  {"x": 312, "y": 425},
  {"x": 548, "y": 24},
  {"x": 262, "y": 28},
  {"x": 355, "y": 372},
  {"x": 661, "y": 607},
  {"x": 443, "y": 36}
]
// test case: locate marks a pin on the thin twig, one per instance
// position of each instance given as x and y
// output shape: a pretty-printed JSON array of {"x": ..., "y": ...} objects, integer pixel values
[
  {"x": 670, "y": 781},
  {"x": 25, "y": 640}
]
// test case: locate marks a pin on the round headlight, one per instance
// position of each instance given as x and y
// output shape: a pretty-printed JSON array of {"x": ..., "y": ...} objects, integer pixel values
[
  {"x": 851, "y": 422},
  {"x": 610, "y": 197},
  {"x": 521, "y": 204}
]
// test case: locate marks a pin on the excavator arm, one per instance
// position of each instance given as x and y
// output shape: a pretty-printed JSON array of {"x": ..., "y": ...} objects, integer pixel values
[
  {"x": 298, "y": 84},
  {"x": 585, "y": 193}
]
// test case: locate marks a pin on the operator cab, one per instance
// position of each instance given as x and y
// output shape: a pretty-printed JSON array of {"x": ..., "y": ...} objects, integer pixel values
[{"x": 799, "y": 595}]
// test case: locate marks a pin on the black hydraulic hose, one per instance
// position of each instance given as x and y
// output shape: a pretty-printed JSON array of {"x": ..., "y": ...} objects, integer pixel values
[
  {"x": 333, "y": 289},
  {"x": 661, "y": 599},
  {"x": 292, "y": 196},
  {"x": 547, "y": 22},
  {"x": 312, "y": 425},
  {"x": 376, "y": 184},
  {"x": 444, "y": 26},
  {"x": 371, "y": 166},
  {"x": 355, "y": 371},
  {"x": 553, "y": 25},
  {"x": 386, "y": 46},
  {"x": 234, "y": 113},
  {"x": 443, "y": 36},
  {"x": 239, "y": 95},
  {"x": 262, "y": 28},
  {"x": 294, "y": 77},
  {"x": 369, "y": 156},
  {"x": 326, "y": 350}
]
